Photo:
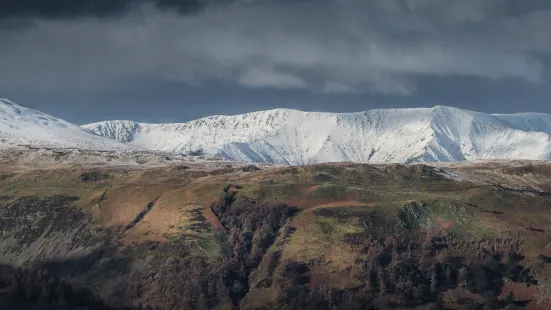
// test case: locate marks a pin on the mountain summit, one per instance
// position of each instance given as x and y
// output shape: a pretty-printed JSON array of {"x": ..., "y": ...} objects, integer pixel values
[
  {"x": 294, "y": 137},
  {"x": 21, "y": 126}
]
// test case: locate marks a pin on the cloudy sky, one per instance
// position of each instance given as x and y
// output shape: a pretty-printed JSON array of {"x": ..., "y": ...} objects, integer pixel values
[{"x": 176, "y": 60}]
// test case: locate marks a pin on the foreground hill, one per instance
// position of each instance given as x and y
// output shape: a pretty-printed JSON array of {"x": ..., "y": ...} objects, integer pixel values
[
  {"x": 377, "y": 136},
  {"x": 332, "y": 236},
  {"x": 21, "y": 126}
]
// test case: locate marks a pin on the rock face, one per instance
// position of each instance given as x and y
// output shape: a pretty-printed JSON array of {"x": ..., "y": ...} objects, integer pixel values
[{"x": 293, "y": 137}]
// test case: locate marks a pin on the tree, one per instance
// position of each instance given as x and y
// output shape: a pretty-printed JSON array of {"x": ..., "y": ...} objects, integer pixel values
[{"x": 509, "y": 299}]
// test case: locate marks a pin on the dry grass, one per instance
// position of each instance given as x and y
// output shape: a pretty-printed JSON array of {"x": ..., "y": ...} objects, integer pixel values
[{"x": 183, "y": 195}]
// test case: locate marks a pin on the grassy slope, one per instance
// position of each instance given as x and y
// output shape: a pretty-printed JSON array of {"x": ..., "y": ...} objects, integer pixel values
[{"x": 335, "y": 201}]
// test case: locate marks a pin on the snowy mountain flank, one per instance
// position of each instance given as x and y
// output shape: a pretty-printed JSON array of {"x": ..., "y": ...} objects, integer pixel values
[
  {"x": 284, "y": 136},
  {"x": 292, "y": 137},
  {"x": 21, "y": 126}
]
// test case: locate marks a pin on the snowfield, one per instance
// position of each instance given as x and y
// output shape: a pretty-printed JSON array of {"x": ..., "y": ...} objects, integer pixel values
[
  {"x": 291, "y": 137},
  {"x": 21, "y": 126}
]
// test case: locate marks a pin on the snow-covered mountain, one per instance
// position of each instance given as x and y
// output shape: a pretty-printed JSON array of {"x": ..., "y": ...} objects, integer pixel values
[
  {"x": 376, "y": 136},
  {"x": 21, "y": 126}
]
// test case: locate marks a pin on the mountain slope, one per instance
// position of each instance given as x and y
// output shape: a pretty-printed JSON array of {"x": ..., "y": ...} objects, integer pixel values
[
  {"x": 21, "y": 126},
  {"x": 376, "y": 136},
  {"x": 324, "y": 237}
]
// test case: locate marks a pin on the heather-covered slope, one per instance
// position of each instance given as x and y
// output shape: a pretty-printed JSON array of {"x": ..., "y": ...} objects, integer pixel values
[
  {"x": 332, "y": 236},
  {"x": 376, "y": 136}
]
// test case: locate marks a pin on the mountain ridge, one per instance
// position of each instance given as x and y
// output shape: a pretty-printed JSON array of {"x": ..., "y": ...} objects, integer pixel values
[
  {"x": 286, "y": 136},
  {"x": 22, "y": 126},
  {"x": 294, "y": 137}
]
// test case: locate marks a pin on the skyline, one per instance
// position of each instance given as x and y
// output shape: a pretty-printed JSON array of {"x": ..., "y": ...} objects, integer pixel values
[{"x": 285, "y": 109}]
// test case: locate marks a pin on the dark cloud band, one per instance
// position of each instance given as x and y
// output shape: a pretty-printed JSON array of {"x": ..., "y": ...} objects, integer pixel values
[
  {"x": 54, "y": 9},
  {"x": 92, "y": 8}
]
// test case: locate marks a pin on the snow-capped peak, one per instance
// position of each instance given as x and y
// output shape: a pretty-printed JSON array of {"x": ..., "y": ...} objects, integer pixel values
[
  {"x": 21, "y": 126},
  {"x": 289, "y": 136}
]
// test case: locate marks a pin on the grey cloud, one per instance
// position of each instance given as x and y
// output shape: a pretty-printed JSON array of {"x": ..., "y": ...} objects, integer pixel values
[
  {"x": 256, "y": 78},
  {"x": 325, "y": 46},
  {"x": 336, "y": 88}
]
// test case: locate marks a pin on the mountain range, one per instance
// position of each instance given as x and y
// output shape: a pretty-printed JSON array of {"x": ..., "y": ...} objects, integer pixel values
[
  {"x": 291, "y": 137},
  {"x": 294, "y": 137}
]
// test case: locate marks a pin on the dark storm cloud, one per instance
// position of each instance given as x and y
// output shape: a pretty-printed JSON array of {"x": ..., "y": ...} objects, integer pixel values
[
  {"x": 106, "y": 8},
  {"x": 92, "y": 8},
  {"x": 324, "y": 46}
]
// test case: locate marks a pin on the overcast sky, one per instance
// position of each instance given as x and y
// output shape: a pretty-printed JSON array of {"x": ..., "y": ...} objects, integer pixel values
[{"x": 170, "y": 60}]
